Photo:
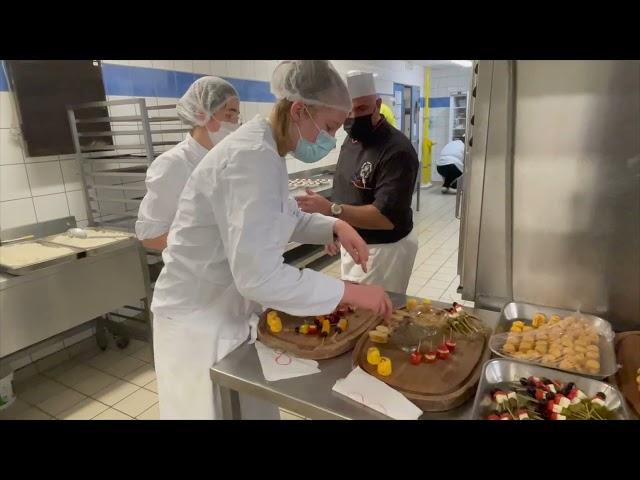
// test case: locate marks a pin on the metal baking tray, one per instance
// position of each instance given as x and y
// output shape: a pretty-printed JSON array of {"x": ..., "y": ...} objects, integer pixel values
[
  {"x": 31, "y": 267},
  {"x": 502, "y": 370},
  {"x": 523, "y": 311},
  {"x": 116, "y": 244}
]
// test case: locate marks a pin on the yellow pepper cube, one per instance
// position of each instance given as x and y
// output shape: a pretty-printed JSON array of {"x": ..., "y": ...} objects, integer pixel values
[
  {"x": 373, "y": 356},
  {"x": 384, "y": 367}
]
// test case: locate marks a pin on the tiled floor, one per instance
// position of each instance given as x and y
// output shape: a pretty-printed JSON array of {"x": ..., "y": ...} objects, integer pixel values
[
  {"x": 121, "y": 384},
  {"x": 90, "y": 384}
]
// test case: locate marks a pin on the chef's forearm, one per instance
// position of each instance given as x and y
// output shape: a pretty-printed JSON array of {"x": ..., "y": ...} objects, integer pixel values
[
  {"x": 314, "y": 229},
  {"x": 366, "y": 217}
]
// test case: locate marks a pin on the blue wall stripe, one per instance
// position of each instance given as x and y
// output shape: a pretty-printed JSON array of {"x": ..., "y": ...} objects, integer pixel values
[
  {"x": 124, "y": 80},
  {"x": 4, "y": 86},
  {"x": 439, "y": 102},
  {"x": 252, "y": 90},
  {"x": 129, "y": 81}
]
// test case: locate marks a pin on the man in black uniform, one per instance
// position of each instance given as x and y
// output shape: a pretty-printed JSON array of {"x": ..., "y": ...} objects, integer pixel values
[{"x": 372, "y": 190}]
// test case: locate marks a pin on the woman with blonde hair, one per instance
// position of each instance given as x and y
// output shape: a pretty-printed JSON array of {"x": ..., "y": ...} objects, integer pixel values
[{"x": 223, "y": 261}]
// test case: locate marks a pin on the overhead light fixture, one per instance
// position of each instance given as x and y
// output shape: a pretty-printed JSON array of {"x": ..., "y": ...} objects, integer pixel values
[{"x": 463, "y": 63}]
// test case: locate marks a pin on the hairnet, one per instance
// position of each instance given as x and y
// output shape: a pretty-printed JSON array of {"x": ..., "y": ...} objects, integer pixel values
[
  {"x": 204, "y": 97},
  {"x": 315, "y": 82}
]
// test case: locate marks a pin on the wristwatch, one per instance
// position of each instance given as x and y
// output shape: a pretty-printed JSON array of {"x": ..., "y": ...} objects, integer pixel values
[{"x": 336, "y": 210}]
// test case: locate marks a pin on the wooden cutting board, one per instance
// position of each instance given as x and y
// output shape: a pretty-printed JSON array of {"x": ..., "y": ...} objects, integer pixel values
[
  {"x": 312, "y": 346},
  {"x": 628, "y": 355},
  {"x": 435, "y": 387}
]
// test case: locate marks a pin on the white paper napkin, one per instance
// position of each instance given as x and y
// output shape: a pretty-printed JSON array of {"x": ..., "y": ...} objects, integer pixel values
[
  {"x": 377, "y": 395},
  {"x": 278, "y": 364}
]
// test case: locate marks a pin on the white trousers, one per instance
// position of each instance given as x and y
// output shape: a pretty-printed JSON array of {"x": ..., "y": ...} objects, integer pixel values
[{"x": 390, "y": 264}]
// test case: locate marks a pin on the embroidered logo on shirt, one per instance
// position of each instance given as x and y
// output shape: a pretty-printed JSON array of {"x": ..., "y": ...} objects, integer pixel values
[
  {"x": 365, "y": 171},
  {"x": 359, "y": 179}
]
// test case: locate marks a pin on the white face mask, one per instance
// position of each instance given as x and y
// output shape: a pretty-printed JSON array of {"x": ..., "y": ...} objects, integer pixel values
[{"x": 225, "y": 129}]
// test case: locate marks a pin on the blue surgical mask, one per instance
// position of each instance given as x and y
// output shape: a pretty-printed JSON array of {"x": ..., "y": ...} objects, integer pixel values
[{"x": 308, "y": 152}]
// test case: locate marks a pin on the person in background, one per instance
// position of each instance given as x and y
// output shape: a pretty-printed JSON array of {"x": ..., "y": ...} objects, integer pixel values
[
  {"x": 372, "y": 191},
  {"x": 224, "y": 258},
  {"x": 450, "y": 164},
  {"x": 388, "y": 115},
  {"x": 211, "y": 106}
]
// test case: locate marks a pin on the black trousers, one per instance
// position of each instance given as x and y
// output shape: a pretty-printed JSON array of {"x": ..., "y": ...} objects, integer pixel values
[{"x": 450, "y": 173}]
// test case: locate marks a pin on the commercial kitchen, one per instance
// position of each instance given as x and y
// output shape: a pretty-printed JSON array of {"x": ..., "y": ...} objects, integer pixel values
[{"x": 522, "y": 302}]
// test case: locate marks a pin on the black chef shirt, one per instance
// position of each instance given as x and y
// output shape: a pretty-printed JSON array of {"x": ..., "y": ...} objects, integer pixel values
[{"x": 381, "y": 172}]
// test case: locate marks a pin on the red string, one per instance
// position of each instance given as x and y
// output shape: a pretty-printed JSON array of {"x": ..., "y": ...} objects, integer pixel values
[{"x": 282, "y": 353}]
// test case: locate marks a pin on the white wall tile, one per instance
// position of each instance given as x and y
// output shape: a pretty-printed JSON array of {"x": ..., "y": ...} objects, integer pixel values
[
  {"x": 264, "y": 69},
  {"x": 8, "y": 117},
  {"x": 77, "y": 204},
  {"x": 141, "y": 63},
  {"x": 17, "y": 213},
  {"x": 202, "y": 66},
  {"x": 10, "y": 147},
  {"x": 218, "y": 68},
  {"x": 71, "y": 174},
  {"x": 163, "y": 64},
  {"x": 151, "y": 101},
  {"x": 251, "y": 109},
  {"x": 183, "y": 65},
  {"x": 14, "y": 183},
  {"x": 45, "y": 178},
  {"x": 264, "y": 109},
  {"x": 117, "y": 62},
  {"x": 122, "y": 110},
  {"x": 241, "y": 69},
  {"x": 49, "y": 207}
]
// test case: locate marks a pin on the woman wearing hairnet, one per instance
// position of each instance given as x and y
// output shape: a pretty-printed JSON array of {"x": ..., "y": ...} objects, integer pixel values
[
  {"x": 223, "y": 261},
  {"x": 211, "y": 106}
]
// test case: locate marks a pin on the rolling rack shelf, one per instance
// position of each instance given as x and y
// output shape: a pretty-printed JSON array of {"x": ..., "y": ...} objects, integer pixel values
[{"x": 115, "y": 142}]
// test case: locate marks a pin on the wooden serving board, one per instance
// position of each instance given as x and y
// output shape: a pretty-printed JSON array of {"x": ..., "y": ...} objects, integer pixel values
[
  {"x": 434, "y": 387},
  {"x": 628, "y": 355},
  {"x": 312, "y": 346}
]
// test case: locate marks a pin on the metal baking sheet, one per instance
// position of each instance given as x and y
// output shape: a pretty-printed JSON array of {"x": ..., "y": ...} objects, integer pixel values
[
  {"x": 28, "y": 268},
  {"x": 100, "y": 249},
  {"x": 523, "y": 311},
  {"x": 502, "y": 370}
]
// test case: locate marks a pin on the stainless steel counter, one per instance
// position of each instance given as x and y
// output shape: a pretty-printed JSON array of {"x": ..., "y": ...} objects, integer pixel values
[
  {"x": 52, "y": 300},
  {"x": 311, "y": 396}
]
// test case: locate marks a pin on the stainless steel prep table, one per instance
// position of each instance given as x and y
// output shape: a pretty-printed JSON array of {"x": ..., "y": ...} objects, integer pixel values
[
  {"x": 49, "y": 301},
  {"x": 311, "y": 396}
]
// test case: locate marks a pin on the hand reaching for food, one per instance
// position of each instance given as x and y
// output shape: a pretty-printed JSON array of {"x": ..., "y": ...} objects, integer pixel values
[
  {"x": 353, "y": 243},
  {"x": 368, "y": 297}
]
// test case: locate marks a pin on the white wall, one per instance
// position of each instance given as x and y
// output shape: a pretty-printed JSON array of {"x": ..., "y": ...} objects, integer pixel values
[
  {"x": 444, "y": 81},
  {"x": 44, "y": 188}
]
